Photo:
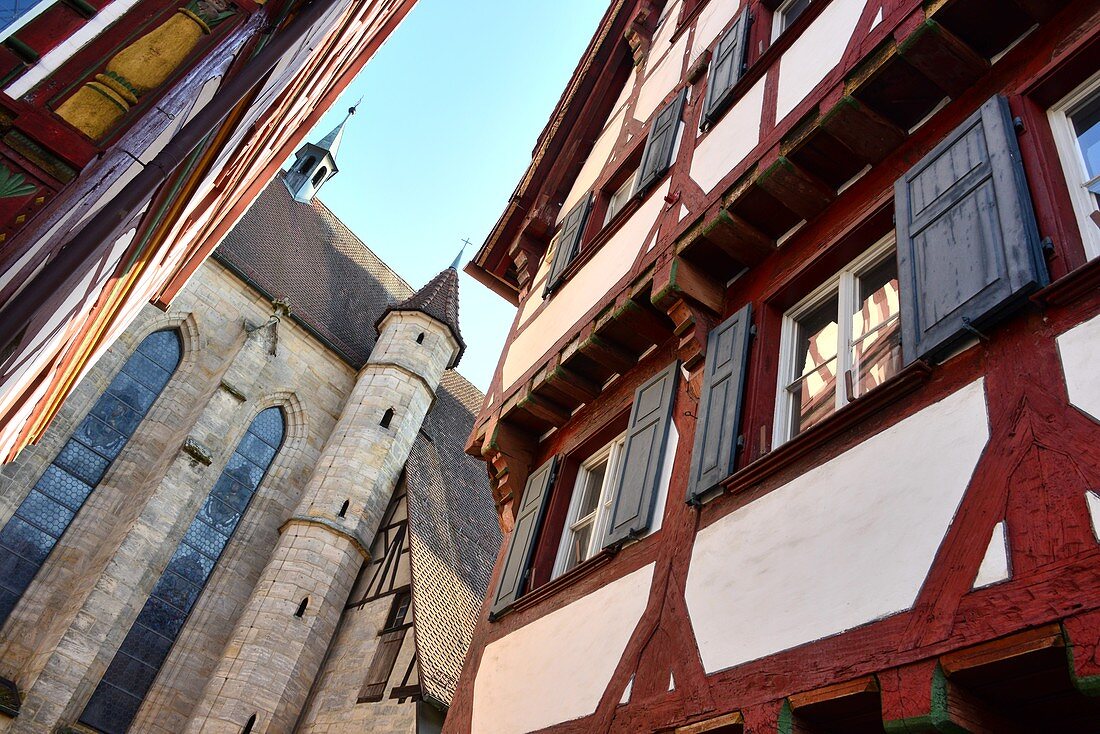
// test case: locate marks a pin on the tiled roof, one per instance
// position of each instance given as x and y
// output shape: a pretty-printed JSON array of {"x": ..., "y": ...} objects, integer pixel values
[
  {"x": 301, "y": 253},
  {"x": 439, "y": 299},
  {"x": 453, "y": 536}
]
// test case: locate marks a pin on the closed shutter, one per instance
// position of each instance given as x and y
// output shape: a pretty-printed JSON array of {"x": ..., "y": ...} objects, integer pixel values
[
  {"x": 968, "y": 246},
  {"x": 569, "y": 240},
  {"x": 639, "y": 472},
  {"x": 521, "y": 546},
  {"x": 381, "y": 667},
  {"x": 657, "y": 156},
  {"x": 727, "y": 66},
  {"x": 716, "y": 428}
]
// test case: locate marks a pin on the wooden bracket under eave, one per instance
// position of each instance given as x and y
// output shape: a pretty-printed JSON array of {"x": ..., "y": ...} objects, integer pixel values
[{"x": 509, "y": 452}]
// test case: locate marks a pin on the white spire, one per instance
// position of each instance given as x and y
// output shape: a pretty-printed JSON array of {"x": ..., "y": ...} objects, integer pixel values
[{"x": 331, "y": 142}]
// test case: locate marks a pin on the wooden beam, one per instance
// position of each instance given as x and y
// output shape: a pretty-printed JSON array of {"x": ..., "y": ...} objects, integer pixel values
[
  {"x": 858, "y": 688},
  {"x": 941, "y": 56},
  {"x": 544, "y": 409},
  {"x": 832, "y": 708},
  {"x": 869, "y": 135},
  {"x": 797, "y": 189},
  {"x": 607, "y": 353},
  {"x": 573, "y": 384},
  {"x": 729, "y": 723},
  {"x": 919, "y": 698},
  {"x": 1006, "y": 648},
  {"x": 1040, "y": 10},
  {"x": 679, "y": 279},
  {"x": 742, "y": 241}
]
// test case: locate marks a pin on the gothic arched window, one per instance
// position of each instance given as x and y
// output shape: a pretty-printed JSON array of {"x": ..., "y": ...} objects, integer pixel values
[
  {"x": 319, "y": 176},
  {"x": 45, "y": 513},
  {"x": 123, "y": 687}
]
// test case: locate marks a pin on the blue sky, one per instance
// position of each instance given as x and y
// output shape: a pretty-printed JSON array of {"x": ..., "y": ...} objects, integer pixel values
[{"x": 452, "y": 106}]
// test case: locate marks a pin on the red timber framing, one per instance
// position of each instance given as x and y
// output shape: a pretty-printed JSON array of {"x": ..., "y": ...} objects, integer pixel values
[
  {"x": 1018, "y": 655},
  {"x": 176, "y": 231}
]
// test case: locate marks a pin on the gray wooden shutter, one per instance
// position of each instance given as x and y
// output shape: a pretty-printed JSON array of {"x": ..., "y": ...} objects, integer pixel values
[
  {"x": 657, "y": 156},
  {"x": 640, "y": 466},
  {"x": 521, "y": 545},
  {"x": 715, "y": 444},
  {"x": 726, "y": 68},
  {"x": 968, "y": 246},
  {"x": 572, "y": 229},
  {"x": 381, "y": 667}
]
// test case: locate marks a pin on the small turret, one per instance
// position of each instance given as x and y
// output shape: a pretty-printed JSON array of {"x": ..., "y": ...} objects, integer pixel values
[
  {"x": 314, "y": 164},
  {"x": 438, "y": 299}
]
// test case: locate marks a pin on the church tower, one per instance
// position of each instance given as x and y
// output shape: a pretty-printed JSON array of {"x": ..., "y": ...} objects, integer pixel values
[
  {"x": 279, "y": 643},
  {"x": 315, "y": 164}
]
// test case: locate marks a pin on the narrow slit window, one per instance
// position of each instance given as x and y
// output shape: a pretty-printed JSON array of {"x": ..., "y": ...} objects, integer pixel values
[
  {"x": 387, "y": 417},
  {"x": 302, "y": 606},
  {"x": 249, "y": 725},
  {"x": 420, "y": 338},
  {"x": 344, "y": 509}
]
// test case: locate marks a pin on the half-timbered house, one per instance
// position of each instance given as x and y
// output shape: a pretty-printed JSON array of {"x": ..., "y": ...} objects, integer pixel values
[
  {"x": 255, "y": 512},
  {"x": 133, "y": 135},
  {"x": 797, "y": 425}
]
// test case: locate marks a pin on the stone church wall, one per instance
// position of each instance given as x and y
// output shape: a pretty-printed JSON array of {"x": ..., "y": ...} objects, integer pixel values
[{"x": 75, "y": 614}]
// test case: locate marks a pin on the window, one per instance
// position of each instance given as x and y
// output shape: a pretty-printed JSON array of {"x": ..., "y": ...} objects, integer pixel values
[
  {"x": 842, "y": 341},
  {"x": 1076, "y": 125},
  {"x": 620, "y": 198},
  {"x": 130, "y": 675},
  {"x": 319, "y": 177},
  {"x": 389, "y": 645},
  {"x": 45, "y": 513},
  {"x": 588, "y": 511},
  {"x": 786, "y": 14},
  {"x": 14, "y": 14}
]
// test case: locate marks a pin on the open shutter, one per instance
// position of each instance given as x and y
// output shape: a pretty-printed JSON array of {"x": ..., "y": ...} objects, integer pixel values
[
  {"x": 569, "y": 241},
  {"x": 657, "y": 156},
  {"x": 521, "y": 546},
  {"x": 968, "y": 246},
  {"x": 715, "y": 443},
  {"x": 381, "y": 667},
  {"x": 640, "y": 467},
  {"x": 727, "y": 66}
]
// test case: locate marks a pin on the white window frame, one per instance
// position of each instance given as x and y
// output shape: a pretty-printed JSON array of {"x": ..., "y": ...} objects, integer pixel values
[
  {"x": 612, "y": 453},
  {"x": 622, "y": 195},
  {"x": 1073, "y": 163},
  {"x": 846, "y": 285},
  {"x": 779, "y": 17}
]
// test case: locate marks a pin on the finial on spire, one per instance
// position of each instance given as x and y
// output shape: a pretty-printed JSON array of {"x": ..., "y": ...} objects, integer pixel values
[{"x": 458, "y": 258}]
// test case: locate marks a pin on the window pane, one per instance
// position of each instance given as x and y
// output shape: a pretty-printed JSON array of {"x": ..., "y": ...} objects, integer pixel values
[
  {"x": 578, "y": 545},
  {"x": 63, "y": 487},
  {"x": 813, "y": 397},
  {"x": 82, "y": 462},
  {"x": 117, "y": 415},
  {"x": 590, "y": 492},
  {"x": 792, "y": 11},
  {"x": 146, "y": 371},
  {"x": 11, "y": 10},
  {"x": 163, "y": 347},
  {"x": 816, "y": 338},
  {"x": 876, "y": 328},
  {"x": 1086, "y": 125},
  {"x": 133, "y": 393},
  {"x": 878, "y": 298},
  {"x": 45, "y": 513}
]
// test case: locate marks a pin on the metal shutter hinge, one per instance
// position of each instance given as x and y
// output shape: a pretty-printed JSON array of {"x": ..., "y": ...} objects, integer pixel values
[
  {"x": 970, "y": 327},
  {"x": 1018, "y": 125}
]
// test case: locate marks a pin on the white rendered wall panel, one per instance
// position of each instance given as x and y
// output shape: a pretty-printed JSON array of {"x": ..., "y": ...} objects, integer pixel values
[
  {"x": 663, "y": 78},
  {"x": 815, "y": 53},
  {"x": 846, "y": 543},
  {"x": 557, "y": 667},
  {"x": 729, "y": 141},
  {"x": 581, "y": 292},
  {"x": 1080, "y": 351},
  {"x": 712, "y": 20}
]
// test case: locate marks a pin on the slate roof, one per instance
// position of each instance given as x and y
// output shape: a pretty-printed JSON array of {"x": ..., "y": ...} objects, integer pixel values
[
  {"x": 438, "y": 299},
  {"x": 338, "y": 289},
  {"x": 453, "y": 536},
  {"x": 336, "y": 286}
]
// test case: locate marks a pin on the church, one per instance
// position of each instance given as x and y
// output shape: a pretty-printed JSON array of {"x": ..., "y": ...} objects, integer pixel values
[{"x": 254, "y": 513}]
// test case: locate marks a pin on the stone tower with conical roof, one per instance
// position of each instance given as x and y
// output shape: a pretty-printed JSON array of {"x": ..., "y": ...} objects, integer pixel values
[
  {"x": 279, "y": 643},
  {"x": 314, "y": 164}
]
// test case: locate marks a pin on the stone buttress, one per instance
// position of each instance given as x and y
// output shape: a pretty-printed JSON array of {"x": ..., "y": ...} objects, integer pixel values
[{"x": 278, "y": 645}]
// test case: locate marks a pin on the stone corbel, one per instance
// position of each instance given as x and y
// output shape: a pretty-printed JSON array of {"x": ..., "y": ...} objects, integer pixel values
[{"x": 146, "y": 64}]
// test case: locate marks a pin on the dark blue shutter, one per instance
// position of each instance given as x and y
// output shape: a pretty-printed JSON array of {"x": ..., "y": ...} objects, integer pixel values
[
  {"x": 643, "y": 455},
  {"x": 715, "y": 443},
  {"x": 521, "y": 545},
  {"x": 572, "y": 229},
  {"x": 657, "y": 156},
  {"x": 726, "y": 68},
  {"x": 968, "y": 246}
]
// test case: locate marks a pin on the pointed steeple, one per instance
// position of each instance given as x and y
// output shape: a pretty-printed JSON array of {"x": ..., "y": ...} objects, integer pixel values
[
  {"x": 438, "y": 298},
  {"x": 331, "y": 142}
]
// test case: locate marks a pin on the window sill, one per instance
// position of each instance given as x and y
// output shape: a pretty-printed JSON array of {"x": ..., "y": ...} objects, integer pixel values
[
  {"x": 1071, "y": 287},
  {"x": 855, "y": 412},
  {"x": 575, "y": 574}
]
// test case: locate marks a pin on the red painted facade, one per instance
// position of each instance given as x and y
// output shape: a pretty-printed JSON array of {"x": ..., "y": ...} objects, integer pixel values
[{"x": 1018, "y": 655}]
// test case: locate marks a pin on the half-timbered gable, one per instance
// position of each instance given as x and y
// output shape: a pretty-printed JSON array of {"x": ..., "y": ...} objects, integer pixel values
[{"x": 791, "y": 431}]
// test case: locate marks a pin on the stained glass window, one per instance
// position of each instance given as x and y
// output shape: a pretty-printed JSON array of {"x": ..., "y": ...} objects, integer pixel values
[
  {"x": 123, "y": 687},
  {"x": 46, "y": 512},
  {"x": 13, "y": 10}
]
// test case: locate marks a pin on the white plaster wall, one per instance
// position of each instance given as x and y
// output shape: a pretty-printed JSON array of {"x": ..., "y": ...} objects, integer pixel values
[
  {"x": 728, "y": 142},
  {"x": 846, "y": 543},
  {"x": 712, "y": 19},
  {"x": 583, "y": 290},
  {"x": 815, "y": 53},
  {"x": 1080, "y": 351},
  {"x": 995, "y": 566},
  {"x": 556, "y": 668},
  {"x": 594, "y": 164},
  {"x": 660, "y": 81}
]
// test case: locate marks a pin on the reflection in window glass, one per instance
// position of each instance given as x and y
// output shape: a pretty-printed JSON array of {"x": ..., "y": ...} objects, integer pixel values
[
  {"x": 123, "y": 687},
  {"x": 44, "y": 515},
  {"x": 1086, "y": 126},
  {"x": 620, "y": 198},
  {"x": 876, "y": 328},
  {"x": 787, "y": 14},
  {"x": 589, "y": 507},
  {"x": 813, "y": 390}
]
